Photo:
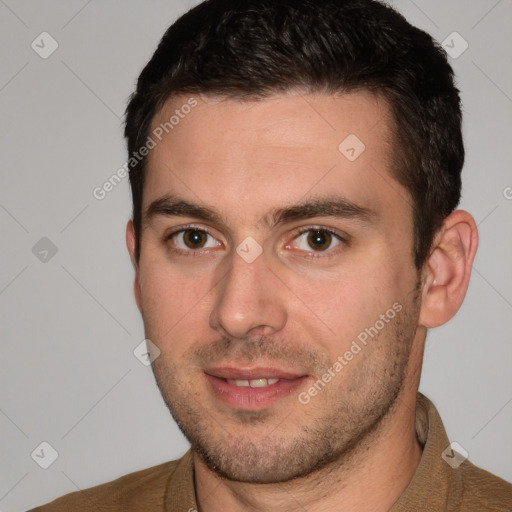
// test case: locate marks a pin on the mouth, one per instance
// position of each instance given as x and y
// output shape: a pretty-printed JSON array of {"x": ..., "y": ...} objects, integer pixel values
[
  {"x": 253, "y": 383},
  {"x": 252, "y": 389}
]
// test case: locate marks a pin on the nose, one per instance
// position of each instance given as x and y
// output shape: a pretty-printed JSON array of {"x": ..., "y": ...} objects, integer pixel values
[{"x": 249, "y": 301}]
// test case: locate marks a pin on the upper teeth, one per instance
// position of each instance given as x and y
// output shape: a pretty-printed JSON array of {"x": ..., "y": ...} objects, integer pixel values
[{"x": 254, "y": 383}]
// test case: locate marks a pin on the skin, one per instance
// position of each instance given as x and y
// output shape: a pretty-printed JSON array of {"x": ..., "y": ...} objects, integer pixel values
[{"x": 295, "y": 307}]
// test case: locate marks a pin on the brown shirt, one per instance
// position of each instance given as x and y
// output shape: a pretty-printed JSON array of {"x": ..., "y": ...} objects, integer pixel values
[{"x": 436, "y": 485}]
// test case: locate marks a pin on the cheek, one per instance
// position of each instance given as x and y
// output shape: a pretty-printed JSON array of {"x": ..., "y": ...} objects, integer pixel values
[
  {"x": 354, "y": 307},
  {"x": 173, "y": 303},
  {"x": 344, "y": 304},
  {"x": 333, "y": 309}
]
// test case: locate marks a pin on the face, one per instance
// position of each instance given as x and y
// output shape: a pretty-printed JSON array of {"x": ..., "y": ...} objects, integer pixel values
[{"x": 276, "y": 278}]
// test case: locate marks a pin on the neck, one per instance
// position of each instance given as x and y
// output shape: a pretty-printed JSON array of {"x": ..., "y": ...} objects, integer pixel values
[{"x": 370, "y": 478}]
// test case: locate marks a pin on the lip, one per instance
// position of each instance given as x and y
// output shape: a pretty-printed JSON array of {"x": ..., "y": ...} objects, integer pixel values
[
  {"x": 248, "y": 398},
  {"x": 249, "y": 373}
]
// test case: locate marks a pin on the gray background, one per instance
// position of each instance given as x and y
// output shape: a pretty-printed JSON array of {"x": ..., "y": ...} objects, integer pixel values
[{"x": 69, "y": 324}]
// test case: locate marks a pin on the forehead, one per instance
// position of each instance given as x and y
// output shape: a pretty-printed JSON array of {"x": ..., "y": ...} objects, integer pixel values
[
  {"x": 296, "y": 121},
  {"x": 244, "y": 156}
]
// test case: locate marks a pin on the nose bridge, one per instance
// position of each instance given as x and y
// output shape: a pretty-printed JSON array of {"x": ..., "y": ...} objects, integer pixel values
[{"x": 248, "y": 299}]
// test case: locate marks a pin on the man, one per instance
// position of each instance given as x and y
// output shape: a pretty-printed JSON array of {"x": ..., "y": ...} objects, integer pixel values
[{"x": 295, "y": 169}]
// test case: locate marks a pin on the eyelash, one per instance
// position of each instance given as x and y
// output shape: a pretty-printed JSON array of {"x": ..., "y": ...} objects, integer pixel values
[
  {"x": 321, "y": 254},
  {"x": 301, "y": 231},
  {"x": 191, "y": 253}
]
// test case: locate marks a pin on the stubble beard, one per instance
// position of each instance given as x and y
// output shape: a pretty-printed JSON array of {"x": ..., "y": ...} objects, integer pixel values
[{"x": 343, "y": 419}]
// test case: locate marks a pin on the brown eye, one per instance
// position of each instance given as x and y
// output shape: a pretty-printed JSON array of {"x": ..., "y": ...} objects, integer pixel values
[
  {"x": 316, "y": 240},
  {"x": 319, "y": 240},
  {"x": 194, "y": 239}
]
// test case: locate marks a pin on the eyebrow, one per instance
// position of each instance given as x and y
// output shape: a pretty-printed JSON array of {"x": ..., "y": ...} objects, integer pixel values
[{"x": 331, "y": 206}]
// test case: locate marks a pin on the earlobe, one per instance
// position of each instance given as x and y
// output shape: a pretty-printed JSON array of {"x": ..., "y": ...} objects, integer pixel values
[
  {"x": 448, "y": 269},
  {"x": 131, "y": 245}
]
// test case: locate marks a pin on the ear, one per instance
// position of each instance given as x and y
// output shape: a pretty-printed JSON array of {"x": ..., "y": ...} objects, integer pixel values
[
  {"x": 131, "y": 244},
  {"x": 448, "y": 269}
]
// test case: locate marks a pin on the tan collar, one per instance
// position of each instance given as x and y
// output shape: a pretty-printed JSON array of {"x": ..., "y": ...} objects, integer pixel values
[
  {"x": 180, "y": 490},
  {"x": 435, "y": 484}
]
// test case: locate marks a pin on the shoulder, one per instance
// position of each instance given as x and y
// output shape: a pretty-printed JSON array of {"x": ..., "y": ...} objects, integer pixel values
[
  {"x": 484, "y": 491},
  {"x": 145, "y": 487}
]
